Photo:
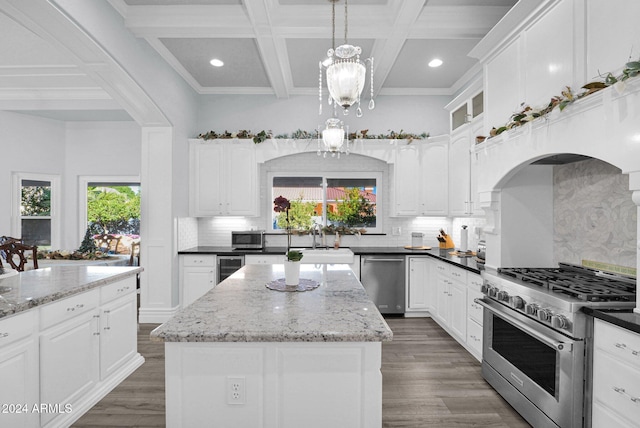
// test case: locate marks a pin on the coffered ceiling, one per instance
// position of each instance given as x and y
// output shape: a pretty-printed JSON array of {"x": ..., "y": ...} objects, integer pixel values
[{"x": 268, "y": 46}]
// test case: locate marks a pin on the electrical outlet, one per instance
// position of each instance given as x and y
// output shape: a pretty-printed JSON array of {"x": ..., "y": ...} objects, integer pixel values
[
  {"x": 396, "y": 230},
  {"x": 236, "y": 390}
]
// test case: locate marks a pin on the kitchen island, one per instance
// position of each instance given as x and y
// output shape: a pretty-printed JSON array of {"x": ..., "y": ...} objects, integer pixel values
[
  {"x": 245, "y": 355},
  {"x": 67, "y": 338}
]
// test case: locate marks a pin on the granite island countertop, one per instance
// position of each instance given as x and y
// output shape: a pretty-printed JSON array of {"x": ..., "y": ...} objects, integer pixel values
[
  {"x": 37, "y": 287},
  {"x": 243, "y": 309}
]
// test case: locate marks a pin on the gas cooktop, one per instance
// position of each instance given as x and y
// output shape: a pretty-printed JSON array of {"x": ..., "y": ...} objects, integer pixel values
[{"x": 577, "y": 282}]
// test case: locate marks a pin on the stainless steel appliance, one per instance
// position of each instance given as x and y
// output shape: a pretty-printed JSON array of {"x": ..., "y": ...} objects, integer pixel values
[
  {"x": 535, "y": 336},
  {"x": 227, "y": 265},
  {"x": 247, "y": 240},
  {"x": 383, "y": 279}
]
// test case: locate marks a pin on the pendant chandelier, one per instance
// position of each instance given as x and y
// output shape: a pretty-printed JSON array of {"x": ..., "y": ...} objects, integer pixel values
[
  {"x": 333, "y": 138},
  {"x": 345, "y": 71}
]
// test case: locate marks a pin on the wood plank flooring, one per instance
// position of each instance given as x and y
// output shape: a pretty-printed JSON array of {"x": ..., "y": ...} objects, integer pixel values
[{"x": 429, "y": 380}]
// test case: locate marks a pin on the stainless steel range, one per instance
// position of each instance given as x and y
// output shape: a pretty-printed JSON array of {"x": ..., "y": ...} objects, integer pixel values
[{"x": 535, "y": 334}]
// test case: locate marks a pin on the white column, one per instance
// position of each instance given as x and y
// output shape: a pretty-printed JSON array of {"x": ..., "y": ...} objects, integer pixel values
[
  {"x": 158, "y": 282},
  {"x": 634, "y": 186}
]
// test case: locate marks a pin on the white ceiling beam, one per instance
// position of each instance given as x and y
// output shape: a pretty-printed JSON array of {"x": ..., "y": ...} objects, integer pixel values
[
  {"x": 386, "y": 51},
  {"x": 272, "y": 50}
]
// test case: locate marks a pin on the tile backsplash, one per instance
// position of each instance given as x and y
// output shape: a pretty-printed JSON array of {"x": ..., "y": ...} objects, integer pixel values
[{"x": 594, "y": 215}]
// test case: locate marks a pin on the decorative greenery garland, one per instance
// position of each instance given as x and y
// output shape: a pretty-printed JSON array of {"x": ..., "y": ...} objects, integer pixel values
[
  {"x": 299, "y": 134},
  {"x": 567, "y": 97}
]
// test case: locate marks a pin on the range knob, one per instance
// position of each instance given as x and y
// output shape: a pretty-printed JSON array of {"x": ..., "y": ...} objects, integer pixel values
[
  {"x": 531, "y": 309},
  {"x": 493, "y": 291},
  {"x": 485, "y": 288},
  {"x": 516, "y": 302},
  {"x": 544, "y": 314},
  {"x": 503, "y": 296},
  {"x": 559, "y": 321}
]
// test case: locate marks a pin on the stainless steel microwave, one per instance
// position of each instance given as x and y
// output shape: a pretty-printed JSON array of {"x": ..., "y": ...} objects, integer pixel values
[{"x": 247, "y": 240}]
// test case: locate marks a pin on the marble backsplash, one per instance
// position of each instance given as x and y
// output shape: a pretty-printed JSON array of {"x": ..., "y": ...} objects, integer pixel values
[{"x": 595, "y": 217}]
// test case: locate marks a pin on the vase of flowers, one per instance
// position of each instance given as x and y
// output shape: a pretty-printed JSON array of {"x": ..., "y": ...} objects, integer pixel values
[{"x": 292, "y": 257}]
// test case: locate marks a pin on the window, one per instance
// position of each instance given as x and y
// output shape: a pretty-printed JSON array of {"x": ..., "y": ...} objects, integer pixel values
[
  {"x": 331, "y": 200},
  {"x": 35, "y": 204}
]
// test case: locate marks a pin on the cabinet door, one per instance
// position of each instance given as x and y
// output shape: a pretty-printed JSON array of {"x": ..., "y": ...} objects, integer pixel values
[
  {"x": 263, "y": 259},
  {"x": 459, "y": 178},
  {"x": 69, "y": 356},
  {"x": 434, "y": 189},
  {"x": 443, "y": 299},
  {"x": 196, "y": 281},
  {"x": 417, "y": 287},
  {"x": 207, "y": 166},
  {"x": 19, "y": 374},
  {"x": 406, "y": 173},
  {"x": 240, "y": 179},
  {"x": 458, "y": 301},
  {"x": 118, "y": 334}
]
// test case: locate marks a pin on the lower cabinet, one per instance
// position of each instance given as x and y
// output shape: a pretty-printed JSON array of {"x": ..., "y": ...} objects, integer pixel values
[
  {"x": 197, "y": 276},
  {"x": 60, "y": 359},
  {"x": 616, "y": 376},
  {"x": 451, "y": 310},
  {"x": 475, "y": 314},
  {"x": 19, "y": 370},
  {"x": 418, "y": 269}
]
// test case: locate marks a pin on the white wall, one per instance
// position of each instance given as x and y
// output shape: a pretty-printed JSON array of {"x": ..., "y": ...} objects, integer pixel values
[
  {"x": 95, "y": 149},
  {"x": 415, "y": 114},
  {"x": 27, "y": 144}
]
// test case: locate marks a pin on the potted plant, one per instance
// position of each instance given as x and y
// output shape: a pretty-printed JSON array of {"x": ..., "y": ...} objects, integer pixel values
[{"x": 293, "y": 257}]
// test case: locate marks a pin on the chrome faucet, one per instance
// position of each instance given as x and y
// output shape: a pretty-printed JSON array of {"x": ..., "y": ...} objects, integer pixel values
[{"x": 316, "y": 228}]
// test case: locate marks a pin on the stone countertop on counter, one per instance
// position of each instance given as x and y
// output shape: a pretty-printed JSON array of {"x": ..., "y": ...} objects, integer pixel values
[
  {"x": 624, "y": 318},
  {"x": 37, "y": 287},
  {"x": 243, "y": 309},
  {"x": 468, "y": 263}
]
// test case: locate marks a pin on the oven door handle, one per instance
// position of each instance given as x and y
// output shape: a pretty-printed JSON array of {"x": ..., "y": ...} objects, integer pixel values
[{"x": 555, "y": 344}]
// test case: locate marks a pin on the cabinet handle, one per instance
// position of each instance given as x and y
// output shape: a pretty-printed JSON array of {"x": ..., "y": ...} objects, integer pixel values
[
  {"x": 4, "y": 334},
  {"x": 636, "y": 353},
  {"x": 97, "y": 333},
  {"x": 619, "y": 390},
  {"x": 620, "y": 345},
  {"x": 635, "y": 399},
  {"x": 107, "y": 312}
]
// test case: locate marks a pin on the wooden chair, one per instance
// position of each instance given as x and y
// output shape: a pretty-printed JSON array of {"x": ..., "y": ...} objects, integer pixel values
[
  {"x": 134, "y": 259},
  {"x": 15, "y": 255},
  {"x": 107, "y": 241}
]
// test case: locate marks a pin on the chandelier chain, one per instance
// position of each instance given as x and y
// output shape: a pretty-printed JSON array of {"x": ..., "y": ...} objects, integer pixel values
[
  {"x": 345, "y": 21},
  {"x": 333, "y": 24}
]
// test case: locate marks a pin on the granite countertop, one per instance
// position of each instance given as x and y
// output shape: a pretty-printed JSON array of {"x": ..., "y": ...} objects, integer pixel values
[
  {"x": 624, "y": 318},
  {"x": 242, "y": 309},
  {"x": 468, "y": 263},
  {"x": 36, "y": 287}
]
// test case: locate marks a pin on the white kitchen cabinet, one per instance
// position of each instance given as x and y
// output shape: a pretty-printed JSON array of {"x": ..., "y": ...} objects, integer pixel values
[
  {"x": 118, "y": 339},
  {"x": 463, "y": 194},
  {"x": 19, "y": 369},
  {"x": 197, "y": 276},
  {"x": 263, "y": 259},
  {"x": 616, "y": 375},
  {"x": 451, "y": 310},
  {"x": 420, "y": 178},
  {"x": 69, "y": 351},
  {"x": 417, "y": 284},
  {"x": 475, "y": 315},
  {"x": 223, "y": 178}
]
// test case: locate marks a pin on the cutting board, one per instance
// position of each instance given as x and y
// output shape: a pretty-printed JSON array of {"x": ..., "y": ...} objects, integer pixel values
[{"x": 409, "y": 247}]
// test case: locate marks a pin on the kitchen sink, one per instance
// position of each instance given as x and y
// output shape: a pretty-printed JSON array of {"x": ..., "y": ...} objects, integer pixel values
[{"x": 326, "y": 255}]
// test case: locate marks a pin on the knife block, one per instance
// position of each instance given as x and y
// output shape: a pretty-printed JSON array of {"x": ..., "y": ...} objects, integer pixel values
[{"x": 447, "y": 244}]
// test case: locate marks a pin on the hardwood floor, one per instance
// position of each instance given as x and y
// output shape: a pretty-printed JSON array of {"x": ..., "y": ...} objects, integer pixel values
[{"x": 429, "y": 380}]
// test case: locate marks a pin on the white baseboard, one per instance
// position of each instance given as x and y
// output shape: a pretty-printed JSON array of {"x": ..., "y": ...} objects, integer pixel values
[{"x": 156, "y": 315}]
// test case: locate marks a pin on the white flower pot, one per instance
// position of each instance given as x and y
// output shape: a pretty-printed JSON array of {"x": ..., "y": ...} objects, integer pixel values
[{"x": 291, "y": 272}]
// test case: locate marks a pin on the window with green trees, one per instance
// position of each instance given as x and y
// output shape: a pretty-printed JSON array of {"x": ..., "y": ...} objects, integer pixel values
[{"x": 113, "y": 209}]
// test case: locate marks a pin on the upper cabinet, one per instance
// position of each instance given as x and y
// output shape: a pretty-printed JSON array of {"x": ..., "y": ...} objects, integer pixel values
[
  {"x": 420, "y": 178},
  {"x": 223, "y": 178}
]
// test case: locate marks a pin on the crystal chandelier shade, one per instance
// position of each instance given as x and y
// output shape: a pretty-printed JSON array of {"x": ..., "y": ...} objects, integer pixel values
[
  {"x": 345, "y": 72},
  {"x": 333, "y": 135}
]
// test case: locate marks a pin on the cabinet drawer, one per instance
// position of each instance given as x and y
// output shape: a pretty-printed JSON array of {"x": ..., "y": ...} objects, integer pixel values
[
  {"x": 604, "y": 417},
  {"x": 68, "y": 308},
  {"x": 474, "y": 310},
  {"x": 474, "y": 336},
  {"x": 117, "y": 289},
  {"x": 616, "y": 385},
  {"x": 617, "y": 341},
  {"x": 16, "y": 327},
  {"x": 199, "y": 260},
  {"x": 263, "y": 259},
  {"x": 458, "y": 274},
  {"x": 474, "y": 281}
]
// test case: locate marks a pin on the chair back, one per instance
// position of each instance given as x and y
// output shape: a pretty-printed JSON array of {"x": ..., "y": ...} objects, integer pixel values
[
  {"x": 134, "y": 259},
  {"x": 15, "y": 255},
  {"x": 106, "y": 242}
]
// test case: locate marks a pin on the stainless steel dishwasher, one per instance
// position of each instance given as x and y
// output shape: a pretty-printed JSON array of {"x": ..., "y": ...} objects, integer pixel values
[{"x": 383, "y": 278}]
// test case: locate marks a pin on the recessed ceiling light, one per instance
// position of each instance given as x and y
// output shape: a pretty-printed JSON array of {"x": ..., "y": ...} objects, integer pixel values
[
  {"x": 436, "y": 62},
  {"x": 216, "y": 62}
]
